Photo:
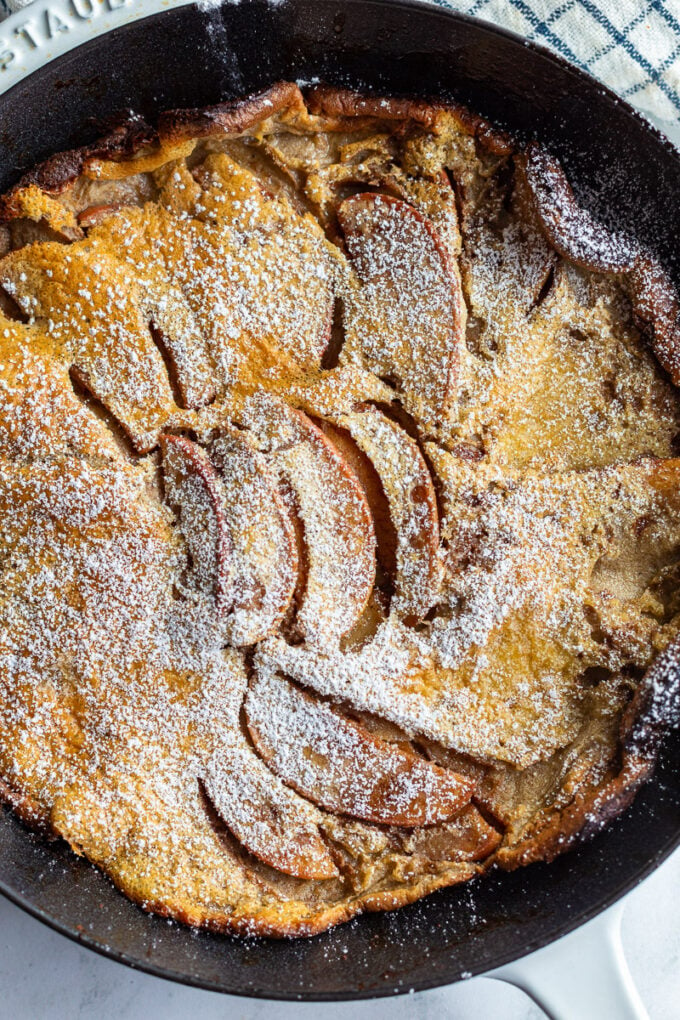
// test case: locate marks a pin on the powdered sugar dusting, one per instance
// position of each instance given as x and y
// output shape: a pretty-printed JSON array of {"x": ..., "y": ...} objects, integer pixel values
[{"x": 210, "y": 684}]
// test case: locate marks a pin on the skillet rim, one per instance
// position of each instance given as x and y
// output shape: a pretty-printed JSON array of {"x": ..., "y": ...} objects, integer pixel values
[{"x": 417, "y": 7}]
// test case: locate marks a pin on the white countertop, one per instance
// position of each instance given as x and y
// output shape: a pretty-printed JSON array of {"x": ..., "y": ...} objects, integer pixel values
[{"x": 43, "y": 975}]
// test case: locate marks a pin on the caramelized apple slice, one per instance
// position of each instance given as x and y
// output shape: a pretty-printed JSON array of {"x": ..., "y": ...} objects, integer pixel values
[
  {"x": 657, "y": 312},
  {"x": 338, "y": 764},
  {"x": 655, "y": 706},
  {"x": 572, "y": 231},
  {"x": 407, "y": 484},
  {"x": 435, "y": 199},
  {"x": 193, "y": 489},
  {"x": 338, "y": 563},
  {"x": 369, "y": 479},
  {"x": 93, "y": 215},
  {"x": 468, "y": 837},
  {"x": 265, "y": 554},
  {"x": 268, "y": 819},
  {"x": 408, "y": 318},
  {"x": 580, "y": 238}
]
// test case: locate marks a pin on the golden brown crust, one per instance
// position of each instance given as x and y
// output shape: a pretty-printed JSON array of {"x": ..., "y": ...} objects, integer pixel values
[
  {"x": 31, "y": 813},
  {"x": 232, "y": 117},
  {"x": 339, "y": 104},
  {"x": 588, "y": 813},
  {"x": 127, "y": 139},
  {"x": 324, "y": 919},
  {"x": 56, "y": 173},
  {"x": 325, "y": 100}
]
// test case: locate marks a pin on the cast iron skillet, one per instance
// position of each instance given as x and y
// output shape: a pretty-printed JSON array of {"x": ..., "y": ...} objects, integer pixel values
[{"x": 186, "y": 57}]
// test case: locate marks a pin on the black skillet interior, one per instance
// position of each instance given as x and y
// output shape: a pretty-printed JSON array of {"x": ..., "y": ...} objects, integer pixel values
[{"x": 187, "y": 57}]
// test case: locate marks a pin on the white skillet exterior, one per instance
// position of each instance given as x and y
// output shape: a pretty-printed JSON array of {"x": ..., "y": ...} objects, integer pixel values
[{"x": 47, "y": 29}]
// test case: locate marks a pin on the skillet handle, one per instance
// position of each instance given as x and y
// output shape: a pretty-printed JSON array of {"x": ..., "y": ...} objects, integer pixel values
[{"x": 583, "y": 976}]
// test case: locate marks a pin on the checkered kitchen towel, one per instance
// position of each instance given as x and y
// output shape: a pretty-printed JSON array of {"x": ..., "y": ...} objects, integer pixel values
[{"x": 631, "y": 45}]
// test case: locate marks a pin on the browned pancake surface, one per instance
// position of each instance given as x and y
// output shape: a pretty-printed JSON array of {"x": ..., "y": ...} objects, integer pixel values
[{"x": 339, "y": 507}]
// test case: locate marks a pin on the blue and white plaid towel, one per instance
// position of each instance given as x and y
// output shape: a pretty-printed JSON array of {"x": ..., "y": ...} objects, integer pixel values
[{"x": 631, "y": 45}]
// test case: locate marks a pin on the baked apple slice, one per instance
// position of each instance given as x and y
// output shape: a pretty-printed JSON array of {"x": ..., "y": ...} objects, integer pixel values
[
  {"x": 572, "y": 230},
  {"x": 408, "y": 317},
  {"x": 657, "y": 312},
  {"x": 264, "y": 548},
  {"x": 369, "y": 479},
  {"x": 338, "y": 560},
  {"x": 271, "y": 821},
  {"x": 407, "y": 484},
  {"x": 337, "y": 763},
  {"x": 577, "y": 236},
  {"x": 435, "y": 199},
  {"x": 468, "y": 837},
  {"x": 193, "y": 490}
]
